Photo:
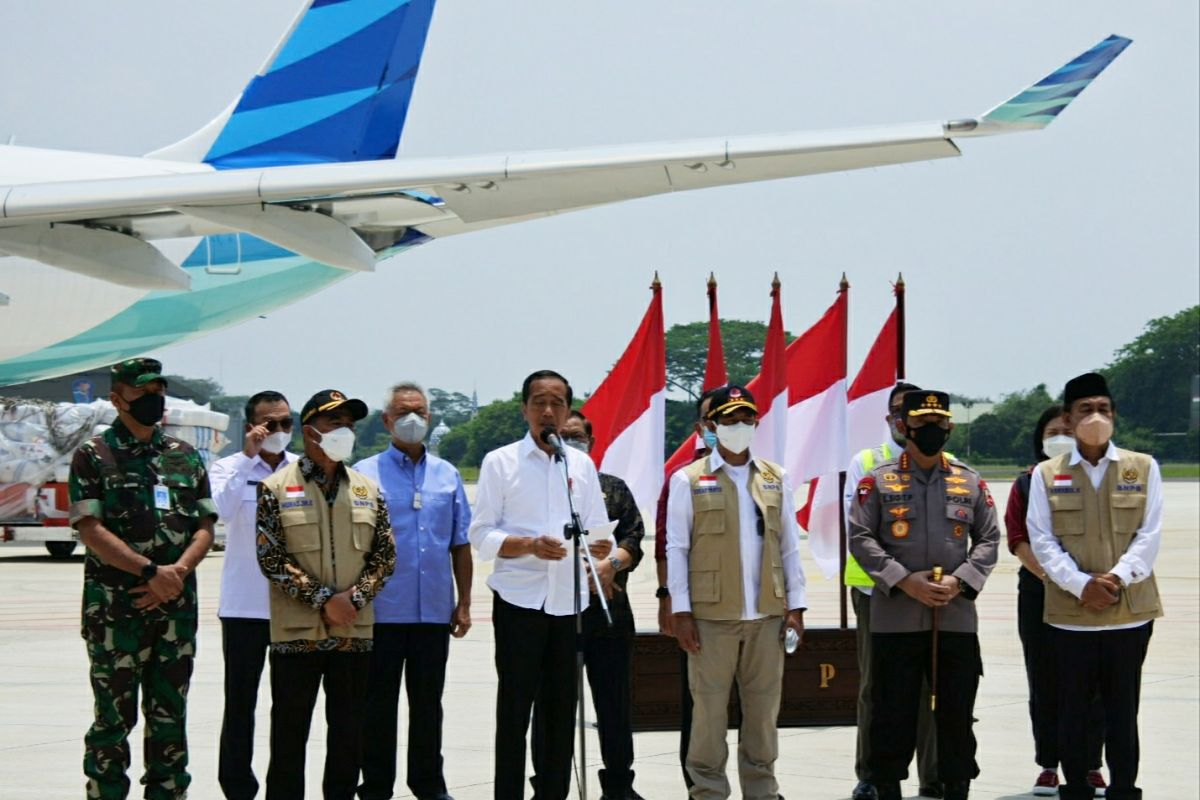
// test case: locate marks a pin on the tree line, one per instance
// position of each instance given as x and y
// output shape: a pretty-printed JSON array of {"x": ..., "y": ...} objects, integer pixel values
[{"x": 1150, "y": 378}]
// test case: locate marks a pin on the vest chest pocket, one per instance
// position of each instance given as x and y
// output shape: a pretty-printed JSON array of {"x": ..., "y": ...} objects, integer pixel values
[
  {"x": 1066, "y": 512},
  {"x": 704, "y": 587},
  {"x": 708, "y": 509},
  {"x": 301, "y": 529},
  {"x": 1128, "y": 509},
  {"x": 363, "y": 520}
]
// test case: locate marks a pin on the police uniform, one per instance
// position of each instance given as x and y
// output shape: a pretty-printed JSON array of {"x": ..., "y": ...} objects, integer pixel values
[
  {"x": 904, "y": 520},
  {"x": 153, "y": 496}
]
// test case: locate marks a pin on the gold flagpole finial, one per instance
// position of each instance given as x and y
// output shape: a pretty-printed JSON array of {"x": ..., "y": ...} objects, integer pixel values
[
  {"x": 656, "y": 284},
  {"x": 845, "y": 284},
  {"x": 775, "y": 281},
  {"x": 712, "y": 281}
]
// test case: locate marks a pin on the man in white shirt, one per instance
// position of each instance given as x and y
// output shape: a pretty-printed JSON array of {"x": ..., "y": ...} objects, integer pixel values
[
  {"x": 1095, "y": 524},
  {"x": 244, "y": 609},
  {"x": 521, "y": 509},
  {"x": 733, "y": 596}
]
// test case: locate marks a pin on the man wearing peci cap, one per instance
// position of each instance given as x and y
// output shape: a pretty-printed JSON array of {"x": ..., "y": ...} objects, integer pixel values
[
  {"x": 1095, "y": 524},
  {"x": 325, "y": 545},
  {"x": 912, "y": 514},
  {"x": 141, "y": 503},
  {"x": 733, "y": 568}
]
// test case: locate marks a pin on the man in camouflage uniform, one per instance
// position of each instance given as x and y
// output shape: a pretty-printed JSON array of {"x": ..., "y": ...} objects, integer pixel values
[{"x": 140, "y": 501}]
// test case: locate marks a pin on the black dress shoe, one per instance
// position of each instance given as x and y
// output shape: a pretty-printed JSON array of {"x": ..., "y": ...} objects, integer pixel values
[
  {"x": 936, "y": 790},
  {"x": 863, "y": 790}
]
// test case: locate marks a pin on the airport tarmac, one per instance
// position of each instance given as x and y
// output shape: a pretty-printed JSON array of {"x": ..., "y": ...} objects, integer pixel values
[{"x": 45, "y": 700}]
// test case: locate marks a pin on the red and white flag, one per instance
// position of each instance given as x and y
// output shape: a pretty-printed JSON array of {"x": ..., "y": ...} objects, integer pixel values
[
  {"x": 816, "y": 422},
  {"x": 865, "y": 427},
  {"x": 715, "y": 375},
  {"x": 628, "y": 410},
  {"x": 294, "y": 492},
  {"x": 770, "y": 389}
]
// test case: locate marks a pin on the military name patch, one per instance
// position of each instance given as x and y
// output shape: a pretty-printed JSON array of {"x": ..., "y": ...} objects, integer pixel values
[
  {"x": 958, "y": 501},
  {"x": 904, "y": 497},
  {"x": 706, "y": 489},
  {"x": 302, "y": 503},
  {"x": 363, "y": 503},
  {"x": 900, "y": 529},
  {"x": 1064, "y": 490},
  {"x": 771, "y": 487},
  {"x": 1131, "y": 487}
]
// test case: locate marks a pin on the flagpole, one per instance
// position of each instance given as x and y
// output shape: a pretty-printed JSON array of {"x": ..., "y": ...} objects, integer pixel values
[
  {"x": 900, "y": 327},
  {"x": 843, "y": 288}
]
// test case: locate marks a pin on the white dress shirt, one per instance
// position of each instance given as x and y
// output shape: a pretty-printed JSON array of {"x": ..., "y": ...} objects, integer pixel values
[
  {"x": 521, "y": 493},
  {"x": 234, "y": 483},
  {"x": 679, "y": 541},
  {"x": 1135, "y": 564}
]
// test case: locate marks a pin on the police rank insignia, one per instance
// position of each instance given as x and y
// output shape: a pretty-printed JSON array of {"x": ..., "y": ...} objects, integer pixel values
[
  {"x": 953, "y": 479},
  {"x": 900, "y": 528},
  {"x": 891, "y": 476},
  {"x": 957, "y": 490},
  {"x": 958, "y": 531},
  {"x": 899, "y": 511},
  {"x": 360, "y": 491},
  {"x": 1129, "y": 475},
  {"x": 905, "y": 478},
  {"x": 865, "y": 487}
]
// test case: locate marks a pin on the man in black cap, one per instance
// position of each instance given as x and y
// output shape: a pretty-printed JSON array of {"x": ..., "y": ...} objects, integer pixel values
[
  {"x": 141, "y": 503},
  {"x": 733, "y": 568},
  {"x": 325, "y": 544},
  {"x": 1095, "y": 524},
  {"x": 915, "y": 519}
]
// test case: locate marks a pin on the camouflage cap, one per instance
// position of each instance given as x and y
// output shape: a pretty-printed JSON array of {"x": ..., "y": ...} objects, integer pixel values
[{"x": 137, "y": 371}]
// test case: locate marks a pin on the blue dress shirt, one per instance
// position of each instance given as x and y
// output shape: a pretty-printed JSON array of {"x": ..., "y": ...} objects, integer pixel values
[{"x": 422, "y": 587}]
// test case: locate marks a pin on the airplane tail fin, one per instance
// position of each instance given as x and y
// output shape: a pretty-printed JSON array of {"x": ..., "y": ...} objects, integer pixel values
[
  {"x": 1037, "y": 106},
  {"x": 336, "y": 88}
]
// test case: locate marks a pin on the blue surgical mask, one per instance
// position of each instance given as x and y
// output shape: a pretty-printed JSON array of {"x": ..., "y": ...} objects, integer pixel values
[{"x": 710, "y": 439}]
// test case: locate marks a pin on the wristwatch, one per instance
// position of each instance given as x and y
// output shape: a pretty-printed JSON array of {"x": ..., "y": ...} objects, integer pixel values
[
  {"x": 149, "y": 570},
  {"x": 617, "y": 563},
  {"x": 662, "y": 592}
]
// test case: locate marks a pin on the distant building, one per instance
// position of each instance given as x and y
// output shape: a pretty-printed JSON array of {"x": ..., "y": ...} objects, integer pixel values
[{"x": 435, "y": 438}]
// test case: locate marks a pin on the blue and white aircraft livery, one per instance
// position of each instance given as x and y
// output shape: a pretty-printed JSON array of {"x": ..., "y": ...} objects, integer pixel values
[{"x": 297, "y": 185}]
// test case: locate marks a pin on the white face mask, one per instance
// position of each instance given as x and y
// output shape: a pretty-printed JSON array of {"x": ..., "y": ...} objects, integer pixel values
[
  {"x": 410, "y": 428},
  {"x": 736, "y": 437},
  {"x": 338, "y": 443},
  {"x": 277, "y": 442},
  {"x": 1055, "y": 446}
]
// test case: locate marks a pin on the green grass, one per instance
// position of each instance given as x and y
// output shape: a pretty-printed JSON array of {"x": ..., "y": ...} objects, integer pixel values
[
  {"x": 1184, "y": 471},
  {"x": 469, "y": 474}
]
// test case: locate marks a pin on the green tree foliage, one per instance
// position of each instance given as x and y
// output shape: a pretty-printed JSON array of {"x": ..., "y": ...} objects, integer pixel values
[
  {"x": 453, "y": 408},
  {"x": 1006, "y": 433},
  {"x": 687, "y": 353},
  {"x": 1151, "y": 377},
  {"x": 497, "y": 424}
]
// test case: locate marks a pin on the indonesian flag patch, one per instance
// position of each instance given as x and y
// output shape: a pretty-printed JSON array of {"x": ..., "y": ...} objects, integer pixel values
[
  {"x": 294, "y": 492},
  {"x": 708, "y": 479},
  {"x": 1062, "y": 480}
]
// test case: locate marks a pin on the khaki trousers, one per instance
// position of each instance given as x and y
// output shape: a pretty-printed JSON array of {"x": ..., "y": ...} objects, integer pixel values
[{"x": 751, "y": 653}]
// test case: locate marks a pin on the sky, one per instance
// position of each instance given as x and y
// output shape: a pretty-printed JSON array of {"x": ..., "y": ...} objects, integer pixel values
[{"x": 1028, "y": 260}]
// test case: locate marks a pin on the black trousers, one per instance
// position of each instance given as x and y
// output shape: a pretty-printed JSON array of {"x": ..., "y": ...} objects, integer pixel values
[
  {"x": 1108, "y": 663},
  {"x": 1041, "y": 670},
  {"x": 535, "y": 662},
  {"x": 423, "y": 649},
  {"x": 608, "y": 659},
  {"x": 685, "y": 717},
  {"x": 294, "y": 683},
  {"x": 900, "y": 662},
  {"x": 244, "y": 645}
]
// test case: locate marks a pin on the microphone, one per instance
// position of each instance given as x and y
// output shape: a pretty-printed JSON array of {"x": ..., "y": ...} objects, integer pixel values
[{"x": 549, "y": 436}]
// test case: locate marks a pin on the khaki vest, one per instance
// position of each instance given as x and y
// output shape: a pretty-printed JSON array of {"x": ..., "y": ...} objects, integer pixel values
[
  {"x": 328, "y": 542},
  {"x": 715, "y": 558},
  {"x": 1095, "y": 527}
]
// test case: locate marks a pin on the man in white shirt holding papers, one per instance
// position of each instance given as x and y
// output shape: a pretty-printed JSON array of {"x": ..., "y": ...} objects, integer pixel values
[{"x": 521, "y": 509}]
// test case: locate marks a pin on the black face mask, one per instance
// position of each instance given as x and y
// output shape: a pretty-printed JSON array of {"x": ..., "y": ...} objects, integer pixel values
[
  {"x": 148, "y": 409},
  {"x": 929, "y": 439}
]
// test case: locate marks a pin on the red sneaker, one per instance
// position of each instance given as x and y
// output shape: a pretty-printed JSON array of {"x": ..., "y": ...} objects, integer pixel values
[
  {"x": 1096, "y": 781},
  {"x": 1046, "y": 784}
]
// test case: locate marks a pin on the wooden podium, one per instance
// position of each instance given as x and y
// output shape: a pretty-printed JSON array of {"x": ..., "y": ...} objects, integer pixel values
[{"x": 820, "y": 682}]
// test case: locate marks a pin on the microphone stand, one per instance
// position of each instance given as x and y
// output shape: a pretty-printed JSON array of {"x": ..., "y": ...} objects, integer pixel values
[{"x": 574, "y": 531}]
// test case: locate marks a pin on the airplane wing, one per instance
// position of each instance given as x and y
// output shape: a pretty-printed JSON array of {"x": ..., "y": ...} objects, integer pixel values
[{"x": 349, "y": 214}]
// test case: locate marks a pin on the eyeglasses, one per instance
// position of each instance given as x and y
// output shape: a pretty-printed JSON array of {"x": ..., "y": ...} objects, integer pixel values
[{"x": 273, "y": 425}]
